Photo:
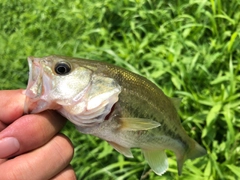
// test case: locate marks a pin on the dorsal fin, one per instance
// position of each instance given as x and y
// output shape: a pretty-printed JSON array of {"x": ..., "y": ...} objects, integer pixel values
[{"x": 176, "y": 102}]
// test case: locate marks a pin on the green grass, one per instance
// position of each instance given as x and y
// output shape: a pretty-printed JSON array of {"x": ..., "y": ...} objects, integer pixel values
[{"x": 191, "y": 49}]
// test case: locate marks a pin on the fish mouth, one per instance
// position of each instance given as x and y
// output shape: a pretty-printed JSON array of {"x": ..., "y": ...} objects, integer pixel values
[{"x": 34, "y": 86}]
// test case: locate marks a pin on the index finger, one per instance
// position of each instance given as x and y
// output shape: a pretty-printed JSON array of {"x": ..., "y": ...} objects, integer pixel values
[{"x": 11, "y": 105}]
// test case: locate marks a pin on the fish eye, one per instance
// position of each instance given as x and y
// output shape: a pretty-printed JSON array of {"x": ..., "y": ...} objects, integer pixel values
[{"x": 62, "y": 68}]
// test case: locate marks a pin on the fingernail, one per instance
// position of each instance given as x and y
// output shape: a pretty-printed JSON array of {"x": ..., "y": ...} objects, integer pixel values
[{"x": 8, "y": 146}]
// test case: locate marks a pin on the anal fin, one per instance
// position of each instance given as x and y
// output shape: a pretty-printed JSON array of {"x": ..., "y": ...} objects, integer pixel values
[
  {"x": 137, "y": 124},
  {"x": 157, "y": 160},
  {"x": 123, "y": 150}
]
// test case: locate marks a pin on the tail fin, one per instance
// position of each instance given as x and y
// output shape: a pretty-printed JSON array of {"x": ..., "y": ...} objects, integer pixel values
[{"x": 194, "y": 151}]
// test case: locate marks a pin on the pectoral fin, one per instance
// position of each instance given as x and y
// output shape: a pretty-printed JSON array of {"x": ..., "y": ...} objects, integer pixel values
[
  {"x": 136, "y": 124},
  {"x": 157, "y": 160},
  {"x": 123, "y": 150}
]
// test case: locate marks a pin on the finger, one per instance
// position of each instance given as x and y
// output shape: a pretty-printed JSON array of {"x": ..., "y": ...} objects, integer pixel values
[
  {"x": 11, "y": 105},
  {"x": 29, "y": 132},
  {"x": 68, "y": 173},
  {"x": 42, "y": 163},
  {"x": 2, "y": 161},
  {"x": 2, "y": 126}
]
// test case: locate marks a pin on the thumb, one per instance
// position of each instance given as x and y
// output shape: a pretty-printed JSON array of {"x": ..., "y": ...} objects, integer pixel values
[{"x": 11, "y": 105}]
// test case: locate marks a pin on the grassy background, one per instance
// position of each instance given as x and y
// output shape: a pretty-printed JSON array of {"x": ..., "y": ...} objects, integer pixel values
[{"x": 191, "y": 49}]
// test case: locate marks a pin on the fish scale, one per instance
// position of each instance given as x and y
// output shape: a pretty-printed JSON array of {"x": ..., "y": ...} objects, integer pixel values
[{"x": 129, "y": 111}]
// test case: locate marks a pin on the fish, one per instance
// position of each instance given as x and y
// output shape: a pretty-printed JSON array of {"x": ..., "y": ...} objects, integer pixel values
[{"x": 123, "y": 108}]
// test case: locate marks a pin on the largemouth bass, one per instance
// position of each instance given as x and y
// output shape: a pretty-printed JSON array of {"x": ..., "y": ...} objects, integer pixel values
[{"x": 123, "y": 108}]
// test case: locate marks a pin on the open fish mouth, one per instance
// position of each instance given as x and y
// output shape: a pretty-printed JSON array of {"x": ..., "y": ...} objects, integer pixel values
[{"x": 34, "y": 87}]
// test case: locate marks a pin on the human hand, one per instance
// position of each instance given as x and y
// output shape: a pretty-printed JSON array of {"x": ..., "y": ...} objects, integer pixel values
[{"x": 30, "y": 145}]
